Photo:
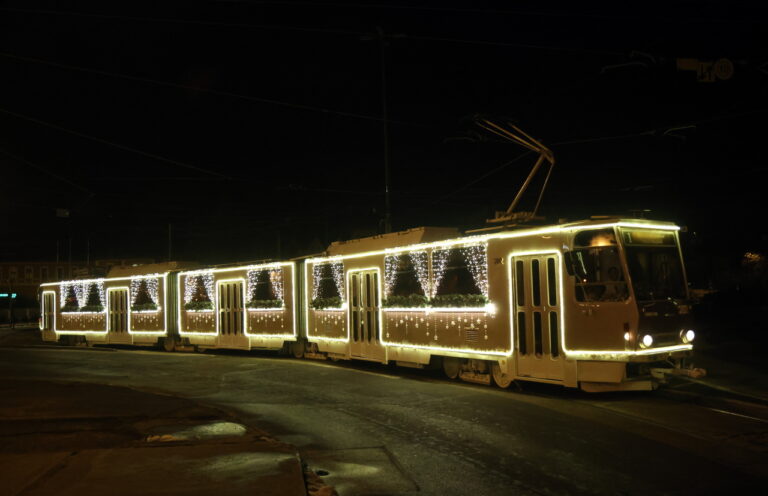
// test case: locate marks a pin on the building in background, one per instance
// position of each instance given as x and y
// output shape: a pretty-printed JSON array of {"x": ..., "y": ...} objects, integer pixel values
[{"x": 20, "y": 281}]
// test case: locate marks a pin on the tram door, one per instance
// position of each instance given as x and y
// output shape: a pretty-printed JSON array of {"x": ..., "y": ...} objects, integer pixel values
[
  {"x": 230, "y": 315},
  {"x": 118, "y": 314},
  {"x": 537, "y": 312},
  {"x": 365, "y": 326},
  {"x": 48, "y": 310}
]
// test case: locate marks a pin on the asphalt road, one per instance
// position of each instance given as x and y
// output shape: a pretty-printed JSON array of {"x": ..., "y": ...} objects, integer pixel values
[{"x": 378, "y": 430}]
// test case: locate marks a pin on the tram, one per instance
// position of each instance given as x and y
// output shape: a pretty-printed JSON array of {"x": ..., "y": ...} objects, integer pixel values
[{"x": 600, "y": 304}]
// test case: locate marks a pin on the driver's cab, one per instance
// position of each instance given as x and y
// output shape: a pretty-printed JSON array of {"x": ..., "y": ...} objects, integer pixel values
[{"x": 628, "y": 284}]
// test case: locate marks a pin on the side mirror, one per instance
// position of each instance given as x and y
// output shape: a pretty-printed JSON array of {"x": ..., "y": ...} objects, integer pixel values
[{"x": 574, "y": 264}]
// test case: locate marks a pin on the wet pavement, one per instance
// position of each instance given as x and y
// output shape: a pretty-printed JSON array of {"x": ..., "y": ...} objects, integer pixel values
[
  {"x": 370, "y": 429},
  {"x": 69, "y": 438}
]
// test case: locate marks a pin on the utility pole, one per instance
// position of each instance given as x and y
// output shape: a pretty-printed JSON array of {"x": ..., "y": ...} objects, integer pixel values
[
  {"x": 170, "y": 242},
  {"x": 69, "y": 264},
  {"x": 385, "y": 131}
]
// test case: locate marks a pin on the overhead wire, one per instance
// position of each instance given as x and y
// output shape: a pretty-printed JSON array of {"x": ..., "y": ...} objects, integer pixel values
[
  {"x": 102, "y": 141},
  {"x": 284, "y": 27}
]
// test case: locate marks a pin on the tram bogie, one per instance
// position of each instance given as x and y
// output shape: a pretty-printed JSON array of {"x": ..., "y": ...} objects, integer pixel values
[{"x": 579, "y": 304}]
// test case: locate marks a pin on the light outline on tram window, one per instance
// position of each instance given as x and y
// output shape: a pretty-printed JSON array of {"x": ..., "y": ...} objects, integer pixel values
[
  {"x": 284, "y": 307},
  {"x": 104, "y": 280},
  {"x": 246, "y": 268},
  {"x": 307, "y": 308},
  {"x": 130, "y": 297},
  {"x": 164, "y": 332},
  {"x": 42, "y": 310}
]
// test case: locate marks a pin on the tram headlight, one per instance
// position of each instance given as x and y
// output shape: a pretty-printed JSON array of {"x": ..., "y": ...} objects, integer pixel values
[
  {"x": 687, "y": 336},
  {"x": 647, "y": 341}
]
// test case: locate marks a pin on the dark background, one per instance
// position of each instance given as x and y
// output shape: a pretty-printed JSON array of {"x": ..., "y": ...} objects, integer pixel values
[{"x": 255, "y": 128}]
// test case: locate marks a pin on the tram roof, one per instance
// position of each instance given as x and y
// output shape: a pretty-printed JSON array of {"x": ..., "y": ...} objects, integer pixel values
[{"x": 427, "y": 235}]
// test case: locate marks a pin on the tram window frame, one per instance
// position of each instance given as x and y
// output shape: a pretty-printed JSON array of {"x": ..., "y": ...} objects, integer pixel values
[
  {"x": 326, "y": 286},
  {"x": 263, "y": 289},
  {"x": 598, "y": 267},
  {"x": 655, "y": 264},
  {"x": 405, "y": 278},
  {"x": 457, "y": 278}
]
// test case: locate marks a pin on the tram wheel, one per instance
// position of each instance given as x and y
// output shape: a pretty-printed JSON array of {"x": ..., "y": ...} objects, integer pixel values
[
  {"x": 297, "y": 349},
  {"x": 451, "y": 367},
  {"x": 169, "y": 344},
  {"x": 500, "y": 378}
]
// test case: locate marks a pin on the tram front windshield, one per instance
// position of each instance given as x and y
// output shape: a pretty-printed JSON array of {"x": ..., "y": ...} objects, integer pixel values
[{"x": 654, "y": 264}]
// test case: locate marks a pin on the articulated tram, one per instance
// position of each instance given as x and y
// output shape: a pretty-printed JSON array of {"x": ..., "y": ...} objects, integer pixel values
[{"x": 599, "y": 304}]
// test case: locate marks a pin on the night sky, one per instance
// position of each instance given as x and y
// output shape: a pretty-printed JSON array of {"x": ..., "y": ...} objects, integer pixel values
[{"x": 255, "y": 128}]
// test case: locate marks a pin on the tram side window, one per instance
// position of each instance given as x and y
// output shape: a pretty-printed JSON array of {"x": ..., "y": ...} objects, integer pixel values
[
  {"x": 597, "y": 266},
  {"x": 328, "y": 287},
  {"x": 457, "y": 284},
  {"x": 403, "y": 285},
  {"x": 261, "y": 288}
]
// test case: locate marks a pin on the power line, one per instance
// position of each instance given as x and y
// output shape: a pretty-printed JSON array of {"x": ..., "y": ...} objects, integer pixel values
[
  {"x": 111, "y": 143},
  {"x": 284, "y": 27},
  {"x": 46, "y": 171},
  {"x": 492, "y": 11},
  {"x": 229, "y": 94}
]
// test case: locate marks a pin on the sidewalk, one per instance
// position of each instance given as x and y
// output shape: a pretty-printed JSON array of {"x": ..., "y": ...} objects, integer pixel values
[{"x": 89, "y": 439}]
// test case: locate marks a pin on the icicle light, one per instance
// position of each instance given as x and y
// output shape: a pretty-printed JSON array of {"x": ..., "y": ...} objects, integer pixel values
[{"x": 477, "y": 263}]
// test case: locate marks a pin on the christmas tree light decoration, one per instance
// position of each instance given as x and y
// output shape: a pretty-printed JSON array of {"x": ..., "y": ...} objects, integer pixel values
[
  {"x": 273, "y": 276},
  {"x": 95, "y": 298},
  {"x": 420, "y": 261},
  {"x": 199, "y": 287},
  {"x": 143, "y": 289},
  {"x": 82, "y": 290},
  {"x": 337, "y": 270},
  {"x": 475, "y": 257}
]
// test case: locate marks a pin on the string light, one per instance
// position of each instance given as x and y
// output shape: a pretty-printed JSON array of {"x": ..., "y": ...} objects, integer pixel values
[
  {"x": 337, "y": 270},
  {"x": 152, "y": 288},
  {"x": 420, "y": 262},
  {"x": 439, "y": 263},
  {"x": 254, "y": 278},
  {"x": 477, "y": 263},
  {"x": 81, "y": 289},
  {"x": 391, "y": 262},
  {"x": 338, "y": 276},
  {"x": 190, "y": 285},
  {"x": 317, "y": 273},
  {"x": 276, "y": 278}
]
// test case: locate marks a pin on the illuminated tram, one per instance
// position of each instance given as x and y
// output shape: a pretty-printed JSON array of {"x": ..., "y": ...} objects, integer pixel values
[{"x": 600, "y": 304}]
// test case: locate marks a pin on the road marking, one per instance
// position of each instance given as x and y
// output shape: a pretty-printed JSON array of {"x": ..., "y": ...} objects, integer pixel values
[{"x": 738, "y": 415}]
